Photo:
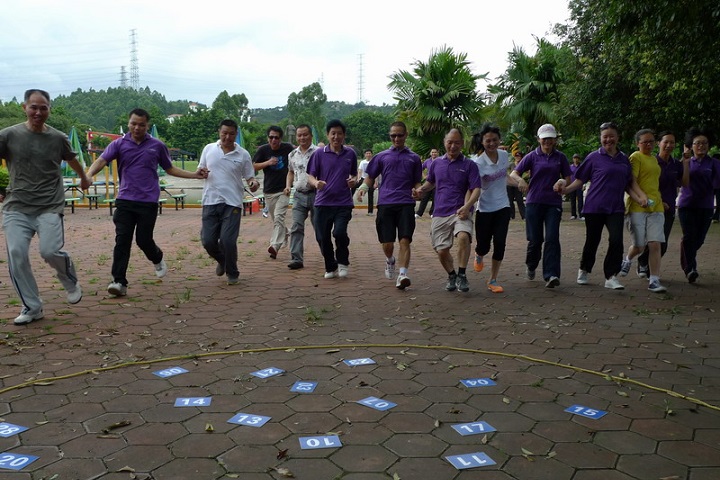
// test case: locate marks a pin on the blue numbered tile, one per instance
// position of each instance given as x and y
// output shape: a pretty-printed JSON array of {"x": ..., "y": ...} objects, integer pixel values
[
  {"x": 15, "y": 461},
  {"x": 359, "y": 361},
  {"x": 249, "y": 420},
  {"x": 473, "y": 428},
  {"x": 8, "y": 429},
  {"x": 268, "y": 372},
  {"x": 328, "y": 441},
  {"x": 470, "y": 460},
  {"x": 193, "y": 401},
  {"x": 586, "y": 412},
  {"x": 478, "y": 382},
  {"x": 303, "y": 387},
  {"x": 377, "y": 403},
  {"x": 170, "y": 372}
]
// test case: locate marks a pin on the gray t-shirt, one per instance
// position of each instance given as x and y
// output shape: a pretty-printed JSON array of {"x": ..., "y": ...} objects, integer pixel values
[{"x": 33, "y": 160}]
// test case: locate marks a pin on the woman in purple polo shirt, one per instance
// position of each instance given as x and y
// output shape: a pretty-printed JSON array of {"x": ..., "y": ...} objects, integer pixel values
[
  {"x": 610, "y": 175},
  {"x": 701, "y": 175},
  {"x": 549, "y": 173}
]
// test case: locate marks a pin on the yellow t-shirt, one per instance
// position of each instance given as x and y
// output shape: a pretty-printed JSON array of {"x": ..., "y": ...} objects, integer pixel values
[{"x": 646, "y": 171}]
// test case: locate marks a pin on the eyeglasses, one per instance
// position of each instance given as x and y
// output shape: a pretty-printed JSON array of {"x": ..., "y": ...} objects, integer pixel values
[
  {"x": 273, "y": 137},
  {"x": 397, "y": 135},
  {"x": 700, "y": 143},
  {"x": 647, "y": 142},
  {"x": 607, "y": 125}
]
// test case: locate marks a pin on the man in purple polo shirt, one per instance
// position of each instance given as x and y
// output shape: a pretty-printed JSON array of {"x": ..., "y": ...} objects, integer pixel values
[
  {"x": 332, "y": 171},
  {"x": 452, "y": 176},
  {"x": 138, "y": 156},
  {"x": 401, "y": 171}
]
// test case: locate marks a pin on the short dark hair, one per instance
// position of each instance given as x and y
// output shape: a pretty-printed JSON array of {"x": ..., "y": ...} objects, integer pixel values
[
  {"x": 276, "y": 129},
  {"x": 608, "y": 125},
  {"x": 140, "y": 113},
  {"x": 698, "y": 132},
  {"x": 476, "y": 143},
  {"x": 367, "y": 150},
  {"x": 29, "y": 93},
  {"x": 304, "y": 125},
  {"x": 459, "y": 132},
  {"x": 644, "y": 131},
  {"x": 228, "y": 122},
  {"x": 399, "y": 124},
  {"x": 335, "y": 124},
  {"x": 663, "y": 133}
]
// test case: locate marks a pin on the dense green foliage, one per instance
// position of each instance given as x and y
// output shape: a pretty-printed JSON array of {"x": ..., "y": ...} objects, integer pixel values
[{"x": 366, "y": 127}]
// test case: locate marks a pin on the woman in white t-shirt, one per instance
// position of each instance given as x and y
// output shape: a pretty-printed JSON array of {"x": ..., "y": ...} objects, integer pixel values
[{"x": 492, "y": 211}]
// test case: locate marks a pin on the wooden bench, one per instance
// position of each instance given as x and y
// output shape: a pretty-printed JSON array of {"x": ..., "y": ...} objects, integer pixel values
[{"x": 71, "y": 201}]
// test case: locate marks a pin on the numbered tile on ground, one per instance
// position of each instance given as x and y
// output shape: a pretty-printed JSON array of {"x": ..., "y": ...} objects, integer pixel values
[
  {"x": 473, "y": 428},
  {"x": 328, "y": 441},
  {"x": 303, "y": 387},
  {"x": 478, "y": 382},
  {"x": 193, "y": 401},
  {"x": 15, "y": 461},
  {"x": 586, "y": 412},
  {"x": 170, "y": 372},
  {"x": 8, "y": 429},
  {"x": 377, "y": 403},
  {"x": 249, "y": 420},
  {"x": 268, "y": 372},
  {"x": 359, "y": 361},
  {"x": 470, "y": 460}
]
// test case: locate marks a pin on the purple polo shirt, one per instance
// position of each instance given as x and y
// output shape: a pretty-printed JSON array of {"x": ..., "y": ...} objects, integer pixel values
[
  {"x": 573, "y": 169},
  {"x": 426, "y": 164},
  {"x": 137, "y": 166},
  {"x": 704, "y": 178},
  {"x": 401, "y": 170},
  {"x": 609, "y": 177},
  {"x": 334, "y": 169},
  {"x": 452, "y": 180},
  {"x": 544, "y": 170},
  {"x": 670, "y": 176}
]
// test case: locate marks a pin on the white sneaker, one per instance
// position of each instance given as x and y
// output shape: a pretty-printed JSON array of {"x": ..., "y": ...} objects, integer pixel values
[
  {"x": 582, "y": 277},
  {"x": 613, "y": 284},
  {"x": 74, "y": 295},
  {"x": 331, "y": 274},
  {"x": 343, "y": 271},
  {"x": 403, "y": 281},
  {"x": 656, "y": 287},
  {"x": 161, "y": 269},
  {"x": 26, "y": 316},
  {"x": 117, "y": 289},
  {"x": 390, "y": 269}
]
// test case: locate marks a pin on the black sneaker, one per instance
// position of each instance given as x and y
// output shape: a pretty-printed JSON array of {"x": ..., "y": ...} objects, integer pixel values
[
  {"x": 692, "y": 276},
  {"x": 643, "y": 271},
  {"x": 450, "y": 286},
  {"x": 219, "y": 269},
  {"x": 462, "y": 283},
  {"x": 295, "y": 265}
]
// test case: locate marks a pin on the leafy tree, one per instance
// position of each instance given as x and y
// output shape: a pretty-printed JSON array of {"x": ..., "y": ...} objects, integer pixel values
[
  {"x": 234, "y": 107},
  {"x": 645, "y": 63},
  {"x": 193, "y": 131},
  {"x": 306, "y": 106},
  {"x": 436, "y": 96},
  {"x": 527, "y": 94},
  {"x": 366, "y": 127}
]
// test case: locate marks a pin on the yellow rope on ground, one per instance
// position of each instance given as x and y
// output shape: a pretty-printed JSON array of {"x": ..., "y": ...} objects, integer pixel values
[{"x": 375, "y": 345}]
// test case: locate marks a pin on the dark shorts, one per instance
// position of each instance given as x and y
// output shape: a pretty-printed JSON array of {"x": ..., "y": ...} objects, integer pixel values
[{"x": 395, "y": 220}]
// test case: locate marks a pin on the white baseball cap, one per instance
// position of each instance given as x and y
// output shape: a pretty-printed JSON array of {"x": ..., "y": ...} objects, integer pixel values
[{"x": 547, "y": 131}]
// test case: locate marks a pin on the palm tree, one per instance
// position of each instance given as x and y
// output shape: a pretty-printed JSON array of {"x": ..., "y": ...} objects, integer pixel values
[
  {"x": 436, "y": 96},
  {"x": 527, "y": 93}
]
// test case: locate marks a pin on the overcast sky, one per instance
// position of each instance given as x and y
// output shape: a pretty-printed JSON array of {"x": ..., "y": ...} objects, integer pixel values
[{"x": 266, "y": 50}]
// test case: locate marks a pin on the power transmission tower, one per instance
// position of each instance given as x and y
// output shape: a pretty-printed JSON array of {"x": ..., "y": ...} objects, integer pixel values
[
  {"x": 134, "y": 68},
  {"x": 123, "y": 77},
  {"x": 360, "y": 93}
]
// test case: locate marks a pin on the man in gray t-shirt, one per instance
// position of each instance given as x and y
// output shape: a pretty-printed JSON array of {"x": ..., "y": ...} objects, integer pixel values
[{"x": 35, "y": 201}]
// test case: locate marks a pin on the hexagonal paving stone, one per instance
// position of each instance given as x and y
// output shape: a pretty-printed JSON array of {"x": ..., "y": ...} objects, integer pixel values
[
  {"x": 311, "y": 423},
  {"x": 625, "y": 442},
  {"x": 415, "y": 445},
  {"x": 195, "y": 468},
  {"x": 692, "y": 454},
  {"x": 142, "y": 458},
  {"x": 363, "y": 458}
]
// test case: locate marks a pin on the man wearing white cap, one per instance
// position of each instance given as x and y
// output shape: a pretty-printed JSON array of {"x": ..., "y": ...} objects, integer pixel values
[{"x": 549, "y": 173}]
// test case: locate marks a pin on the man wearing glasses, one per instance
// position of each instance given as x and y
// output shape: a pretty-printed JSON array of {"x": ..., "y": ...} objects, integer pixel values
[
  {"x": 401, "y": 170},
  {"x": 272, "y": 159}
]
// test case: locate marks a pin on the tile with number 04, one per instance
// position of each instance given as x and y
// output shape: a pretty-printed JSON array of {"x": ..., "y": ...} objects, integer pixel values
[
  {"x": 193, "y": 401},
  {"x": 478, "y": 382},
  {"x": 359, "y": 361},
  {"x": 170, "y": 372}
]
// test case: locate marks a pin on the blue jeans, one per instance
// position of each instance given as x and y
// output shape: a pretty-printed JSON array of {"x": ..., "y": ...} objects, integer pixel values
[
  {"x": 332, "y": 222},
  {"x": 539, "y": 217}
]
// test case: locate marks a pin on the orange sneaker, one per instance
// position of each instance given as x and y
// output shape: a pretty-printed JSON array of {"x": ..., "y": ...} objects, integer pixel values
[
  {"x": 494, "y": 287},
  {"x": 478, "y": 264}
]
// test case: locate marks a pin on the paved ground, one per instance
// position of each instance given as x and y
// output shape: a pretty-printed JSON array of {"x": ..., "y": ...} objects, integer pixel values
[{"x": 98, "y": 410}]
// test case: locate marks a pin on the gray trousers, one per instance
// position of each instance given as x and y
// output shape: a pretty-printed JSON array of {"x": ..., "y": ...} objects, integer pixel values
[
  {"x": 19, "y": 229},
  {"x": 219, "y": 234},
  {"x": 302, "y": 207}
]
